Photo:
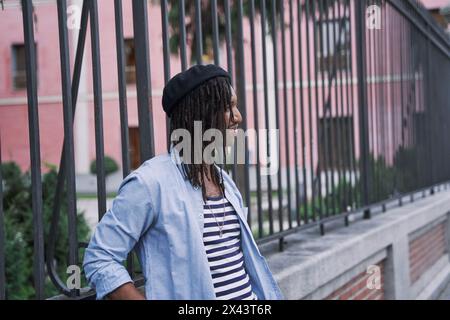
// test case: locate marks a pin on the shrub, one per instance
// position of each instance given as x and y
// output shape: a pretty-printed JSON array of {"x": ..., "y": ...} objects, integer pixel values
[
  {"x": 111, "y": 166},
  {"x": 19, "y": 230}
]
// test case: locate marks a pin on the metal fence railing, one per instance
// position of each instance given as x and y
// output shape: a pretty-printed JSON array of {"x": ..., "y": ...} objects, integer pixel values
[{"x": 357, "y": 88}]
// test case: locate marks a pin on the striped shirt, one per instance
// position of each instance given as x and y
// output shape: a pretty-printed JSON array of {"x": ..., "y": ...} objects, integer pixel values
[{"x": 225, "y": 258}]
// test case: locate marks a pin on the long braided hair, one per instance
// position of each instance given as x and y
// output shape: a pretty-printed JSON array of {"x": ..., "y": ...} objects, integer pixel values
[{"x": 208, "y": 104}]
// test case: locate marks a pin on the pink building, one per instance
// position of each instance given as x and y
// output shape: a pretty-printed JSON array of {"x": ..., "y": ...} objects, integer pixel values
[
  {"x": 13, "y": 100},
  {"x": 436, "y": 9}
]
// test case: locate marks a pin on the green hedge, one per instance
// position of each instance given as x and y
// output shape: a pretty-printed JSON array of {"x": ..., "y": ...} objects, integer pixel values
[
  {"x": 111, "y": 166},
  {"x": 19, "y": 230}
]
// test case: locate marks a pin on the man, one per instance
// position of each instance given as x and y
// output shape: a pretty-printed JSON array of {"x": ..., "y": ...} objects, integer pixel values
[{"x": 184, "y": 218}]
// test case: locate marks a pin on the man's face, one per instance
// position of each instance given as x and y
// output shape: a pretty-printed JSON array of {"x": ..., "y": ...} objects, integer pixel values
[{"x": 232, "y": 117}]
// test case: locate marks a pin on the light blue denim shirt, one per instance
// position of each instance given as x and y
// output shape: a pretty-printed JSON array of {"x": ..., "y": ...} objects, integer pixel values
[{"x": 160, "y": 214}]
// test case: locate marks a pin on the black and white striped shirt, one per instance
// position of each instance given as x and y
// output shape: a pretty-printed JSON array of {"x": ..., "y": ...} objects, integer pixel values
[{"x": 226, "y": 261}]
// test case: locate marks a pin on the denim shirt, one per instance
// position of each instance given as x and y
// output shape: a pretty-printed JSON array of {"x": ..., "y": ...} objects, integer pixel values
[{"x": 159, "y": 213}]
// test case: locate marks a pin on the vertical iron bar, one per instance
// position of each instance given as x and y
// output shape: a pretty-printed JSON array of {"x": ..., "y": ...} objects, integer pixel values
[
  {"x": 165, "y": 38},
  {"x": 341, "y": 118},
  {"x": 302, "y": 112},
  {"x": 431, "y": 117},
  {"x": 33, "y": 130},
  {"x": 394, "y": 89},
  {"x": 352, "y": 104},
  {"x": 382, "y": 110},
  {"x": 336, "y": 121},
  {"x": 409, "y": 111},
  {"x": 349, "y": 106},
  {"x": 370, "y": 99},
  {"x": 166, "y": 57},
  {"x": 256, "y": 116},
  {"x": 277, "y": 108},
  {"x": 2, "y": 235},
  {"x": 397, "y": 102},
  {"x": 50, "y": 249},
  {"x": 182, "y": 26},
  {"x": 198, "y": 32},
  {"x": 421, "y": 65},
  {"x": 215, "y": 32},
  {"x": 388, "y": 116},
  {"x": 228, "y": 39},
  {"x": 422, "y": 132},
  {"x": 310, "y": 122},
  {"x": 323, "y": 130},
  {"x": 402, "y": 98},
  {"x": 286, "y": 115},
  {"x": 242, "y": 96},
  {"x": 412, "y": 108},
  {"x": 266, "y": 110},
  {"x": 98, "y": 109},
  {"x": 332, "y": 104},
  {"x": 123, "y": 108},
  {"x": 294, "y": 112},
  {"x": 380, "y": 105},
  {"x": 229, "y": 46},
  {"x": 68, "y": 134},
  {"x": 345, "y": 108},
  {"x": 362, "y": 101},
  {"x": 317, "y": 118},
  {"x": 143, "y": 83}
]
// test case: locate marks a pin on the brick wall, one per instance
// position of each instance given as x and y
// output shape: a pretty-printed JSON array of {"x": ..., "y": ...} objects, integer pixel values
[
  {"x": 357, "y": 289},
  {"x": 426, "y": 249}
]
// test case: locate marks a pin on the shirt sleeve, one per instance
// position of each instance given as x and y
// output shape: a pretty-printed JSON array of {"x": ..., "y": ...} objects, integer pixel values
[{"x": 115, "y": 236}]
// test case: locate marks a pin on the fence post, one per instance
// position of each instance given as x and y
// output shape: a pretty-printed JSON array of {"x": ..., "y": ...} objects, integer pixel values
[
  {"x": 33, "y": 123},
  {"x": 2, "y": 236},
  {"x": 360, "y": 18},
  {"x": 143, "y": 80},
  {"x": 242, "y": 170},
  {"x": 68, "y": 107}
]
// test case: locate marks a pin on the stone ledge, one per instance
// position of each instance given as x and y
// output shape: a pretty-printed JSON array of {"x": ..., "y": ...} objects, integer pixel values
[{"x": 310, "y": 261}]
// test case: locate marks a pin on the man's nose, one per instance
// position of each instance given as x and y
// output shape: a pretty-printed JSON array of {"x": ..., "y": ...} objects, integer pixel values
[{"x": 237, "y": 117}]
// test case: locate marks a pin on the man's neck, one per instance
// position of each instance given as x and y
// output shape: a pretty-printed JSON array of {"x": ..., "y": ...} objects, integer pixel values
[{"x": 211, "y": 188}]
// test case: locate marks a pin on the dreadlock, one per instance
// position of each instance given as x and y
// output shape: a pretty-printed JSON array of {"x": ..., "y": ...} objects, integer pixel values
[{"x": 208, "y": 104}]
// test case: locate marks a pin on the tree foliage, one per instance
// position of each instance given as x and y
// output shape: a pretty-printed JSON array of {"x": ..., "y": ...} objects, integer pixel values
[{"x": 207, "y": 25}]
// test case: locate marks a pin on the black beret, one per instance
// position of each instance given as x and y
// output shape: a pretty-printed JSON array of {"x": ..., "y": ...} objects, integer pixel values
[{"x": 183, "y": 83}]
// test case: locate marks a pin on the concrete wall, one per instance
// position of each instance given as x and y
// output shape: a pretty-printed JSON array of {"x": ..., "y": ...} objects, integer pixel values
[{"x": 400, "y": 254}]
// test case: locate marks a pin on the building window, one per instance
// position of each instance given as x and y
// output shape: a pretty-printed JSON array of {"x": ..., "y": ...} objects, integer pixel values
[
  {"x": 336, "y": 144},
  {"x": 18, "y": 67},
  {"x": 333, "y": 44},
  {"x": 130, "y": 61}
]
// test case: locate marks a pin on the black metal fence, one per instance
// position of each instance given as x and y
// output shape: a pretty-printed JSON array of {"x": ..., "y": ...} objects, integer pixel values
[{"x": 358, "y": 89}]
